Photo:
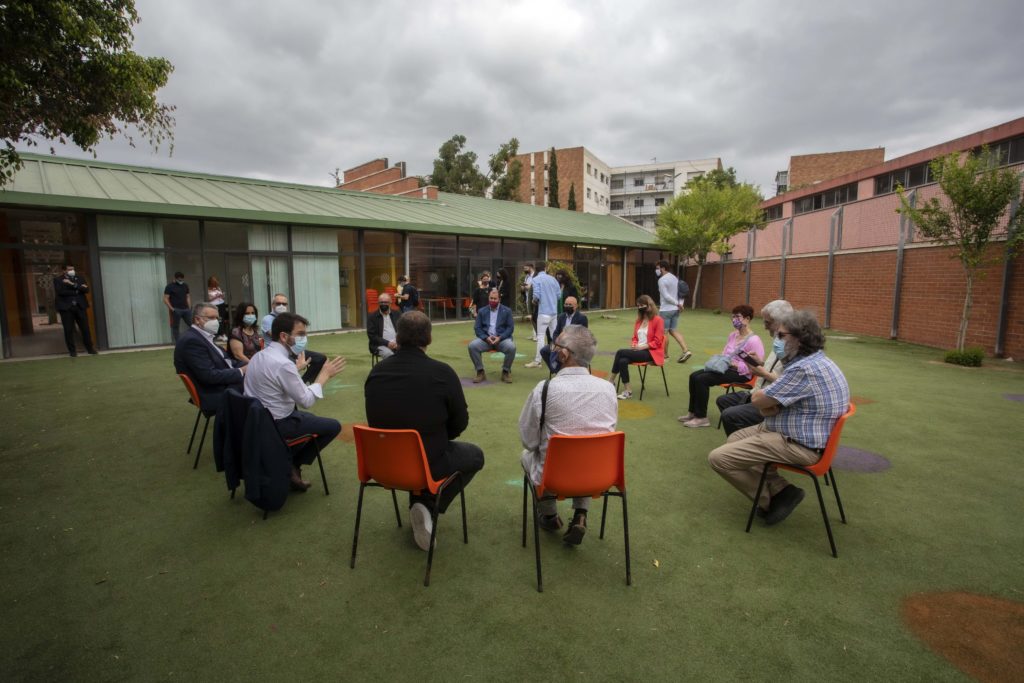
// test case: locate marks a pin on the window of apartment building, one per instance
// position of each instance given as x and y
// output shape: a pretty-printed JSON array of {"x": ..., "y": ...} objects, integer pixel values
[
  {"x": 588, "y": 193},
  {"x": 823, "y": 200},
  {"x": 638, "y": 182},
  {"x": 914, "y": 176},
  {"x": 616, "y": 205},
  {"x": 773, "y": 213},
  {"x": 588, "y": 169},
  {"x": 617, "y": 184},
  {"x": 602, "y": 177},
  {"x": 533, "y": 191},
  {"x": 659, "y": 201},
  {"x": 637, "y": 203},
  {"x": 1006, "y": 152}
]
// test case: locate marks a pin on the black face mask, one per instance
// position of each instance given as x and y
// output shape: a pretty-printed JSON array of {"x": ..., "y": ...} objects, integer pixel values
[
  {"x": 385, "y": 308},
  {"x": 569, "y": 310}
]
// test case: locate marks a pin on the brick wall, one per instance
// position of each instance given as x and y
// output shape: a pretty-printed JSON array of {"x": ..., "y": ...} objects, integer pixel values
[
  {"x": 570, "y": 170},
  {"x": 365, "y": 169}
]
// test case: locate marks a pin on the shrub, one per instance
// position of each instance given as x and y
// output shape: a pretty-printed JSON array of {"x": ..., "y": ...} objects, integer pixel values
[{"x": 971, "y": 357}]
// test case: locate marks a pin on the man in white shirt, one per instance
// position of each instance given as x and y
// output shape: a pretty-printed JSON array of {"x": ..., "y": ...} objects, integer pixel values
[
  {"x": 546, "y": 292},
  {"x": 272, "y": 377},
  {"x": 670, "y": 305},
  {"x": 314, "y": 359},
  {"x": 577, "y": 403}
]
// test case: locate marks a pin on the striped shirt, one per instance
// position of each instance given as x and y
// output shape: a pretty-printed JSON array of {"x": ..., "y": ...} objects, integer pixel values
[{"x": 814, "y": 394}]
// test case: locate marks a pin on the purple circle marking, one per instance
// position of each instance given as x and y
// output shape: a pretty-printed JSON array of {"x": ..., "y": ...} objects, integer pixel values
[
  {"x": 1014, "y": 397},
  {"x": 470, "y": 384},
  {"x": 856, "y": 460}
]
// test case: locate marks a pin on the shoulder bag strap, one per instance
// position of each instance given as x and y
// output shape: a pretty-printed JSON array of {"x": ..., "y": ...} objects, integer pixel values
[{"x": 543, "y": 405}]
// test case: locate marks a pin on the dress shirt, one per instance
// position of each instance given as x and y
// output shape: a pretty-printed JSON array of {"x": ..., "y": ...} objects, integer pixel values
[
  {"x": 814, "y": 394},
  {"x": 268, "y": 322},
  {"x": 272, "y": 377},
  {"x": 578, "y": 403},
  {"x": 389, "y": 329},
  {"x": 546, "y": 291},
  {"x": 668, "y": 292},
  {"x": 209, "y": 340},
  {"x": 492, "y": 326}
]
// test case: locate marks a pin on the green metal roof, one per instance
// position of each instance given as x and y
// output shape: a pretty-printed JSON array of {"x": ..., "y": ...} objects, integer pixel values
[{"x": 74, "y": 184}]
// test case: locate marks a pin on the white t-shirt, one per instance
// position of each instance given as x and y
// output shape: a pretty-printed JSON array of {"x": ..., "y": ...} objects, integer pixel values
[
  {"x": 668, "y": 289},
  {"x": 641, "y": 335}
]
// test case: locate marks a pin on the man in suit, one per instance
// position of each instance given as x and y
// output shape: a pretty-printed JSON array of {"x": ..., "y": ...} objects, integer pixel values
[
  {"x": 211, "y": 369},
  {"x": 69, "y": 290},
  {"x": 570, "y": 316},
  {"x": 410, "y": 390},
  {"x": 494, "y": 326},
  {"x": 380, "y": 328}
]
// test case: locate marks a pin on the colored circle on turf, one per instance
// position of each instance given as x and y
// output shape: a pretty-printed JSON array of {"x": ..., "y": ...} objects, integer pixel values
[{"x": 855, "y": 460}]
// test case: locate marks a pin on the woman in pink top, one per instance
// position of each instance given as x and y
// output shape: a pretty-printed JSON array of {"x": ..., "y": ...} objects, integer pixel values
[{"x": 742, "y": 340}]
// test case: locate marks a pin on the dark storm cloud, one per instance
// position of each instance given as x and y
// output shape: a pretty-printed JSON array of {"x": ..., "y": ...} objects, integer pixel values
[{"x": 293, "y": 90}]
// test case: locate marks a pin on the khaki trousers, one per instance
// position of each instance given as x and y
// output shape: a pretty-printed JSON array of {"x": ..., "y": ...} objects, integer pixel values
[{"x": 741, "y": 459}]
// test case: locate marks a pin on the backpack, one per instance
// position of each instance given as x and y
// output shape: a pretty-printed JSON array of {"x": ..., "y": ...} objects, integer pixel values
[{"x": 683, "y": 290}]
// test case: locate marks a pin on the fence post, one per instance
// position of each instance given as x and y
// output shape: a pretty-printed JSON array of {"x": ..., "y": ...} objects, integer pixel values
[
  {"x": 905, "y": 227},
  {"x": 787, "y": 236},
  {"x": 1004, "y": 294},
  {"x": 834, "y": 232}
]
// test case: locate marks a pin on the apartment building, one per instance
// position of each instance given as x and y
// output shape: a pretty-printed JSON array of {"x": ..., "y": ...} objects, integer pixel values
[
  {"x": 638, "y": 192},
  {"x": 578, "y": 169}
]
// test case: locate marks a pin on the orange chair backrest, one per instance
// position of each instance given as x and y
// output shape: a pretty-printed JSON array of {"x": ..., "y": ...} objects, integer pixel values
[
  {"x": 588, "y": 465},
  {"x": 393, "y": 458},
  {"x": 371, "y": 299},
  {"x": 390, "y": 290},
  {"x": 821, "y": 467},
  {"x": 187, "y": 381}
]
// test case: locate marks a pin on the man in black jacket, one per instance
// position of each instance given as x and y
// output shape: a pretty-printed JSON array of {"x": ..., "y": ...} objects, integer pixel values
[
  {"x": 570, "y": 316},
  {"x": 410, "y": 390},
  {"x": 211, "y": 369},
  {"x": 69, "y": 290},
  {"x": 381, "y": 326},
  {"x": 409, "y": 297}
]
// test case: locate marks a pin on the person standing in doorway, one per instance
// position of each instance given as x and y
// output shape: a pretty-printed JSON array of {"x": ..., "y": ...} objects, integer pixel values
[
  {"x": 178, "y": 300},
  {"x": 670, "y": 305},
  {"x": 69, "y": 290}
]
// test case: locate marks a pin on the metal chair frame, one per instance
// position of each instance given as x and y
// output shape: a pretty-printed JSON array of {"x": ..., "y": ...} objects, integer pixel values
[{"x": 642, "y": 371}]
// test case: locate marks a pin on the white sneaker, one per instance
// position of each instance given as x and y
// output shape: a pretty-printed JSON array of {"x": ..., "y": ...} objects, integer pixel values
[
  {"x": 533, "y": 364},
  {"x": 625, "y": 395},
  {"x": 422, "y": 525}
]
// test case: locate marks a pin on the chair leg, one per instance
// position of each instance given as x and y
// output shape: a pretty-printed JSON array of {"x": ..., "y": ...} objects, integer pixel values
[
  {"x": 835, "y": 489},
  {"x": 320, "y": 462},
  {"x": 625, "y": 529},
  {"x": 201, "y": 440},
  {"x": 536, "y": 539},
  {"x": 398, "y": 517},
  {"x": 194, "y": 428},
  {"x": 525, "y": 487},
  {"x": 757, "y": 496},
  {"x": 824, "y": 516},
  {"x": 643, "y": 380},
  {"x": 604, "y": 514},
  {"x": 433, "y": 536},
  {"x": 664, "y": 380},
  {"x": 355, "y": 534}
]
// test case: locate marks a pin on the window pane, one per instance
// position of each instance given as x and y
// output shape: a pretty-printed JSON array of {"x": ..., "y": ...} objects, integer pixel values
[
  {"x": 180, "y": 234},
  {"x": 133, "y": 286},
  {"x": 43, "y": 227},
  {"x": 317, "y": 289},
  {"x": 226, "y": 235},
  {"x": 432, "y": 266},
  {"x": 382, "y": 242}
]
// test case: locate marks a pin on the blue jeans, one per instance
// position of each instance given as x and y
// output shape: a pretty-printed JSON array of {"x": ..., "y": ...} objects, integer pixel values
[
  {"x": 178, "y": 315},
  {"x": 505, "y": 346}
]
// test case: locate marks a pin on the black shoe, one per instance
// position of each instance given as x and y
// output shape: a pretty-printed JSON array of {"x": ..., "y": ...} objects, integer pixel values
[
  {"x": 73, "y": 353},
  {"x": 93, "y": 352},
  {"x": 549, "y": 523},
  {"x": 783, "y": 503},
  {"x": 578, "y": 529}
]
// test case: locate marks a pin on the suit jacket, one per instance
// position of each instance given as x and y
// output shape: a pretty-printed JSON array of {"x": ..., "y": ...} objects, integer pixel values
[
  {"x": 375, "y": 328},
  {"x": 505, "y": 324},
  {"x": 655, "y": 338},
  {"x": 247, "y": 447},
  {"x": 68, "y": 296},
  {"x": 197, "y": 358},
  {"x": 577, "y": 319},
  {"x": 410, "y": 390}
]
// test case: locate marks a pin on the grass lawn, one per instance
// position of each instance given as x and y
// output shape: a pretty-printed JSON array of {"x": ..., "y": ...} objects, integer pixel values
[{"x": 121, "y": 562}]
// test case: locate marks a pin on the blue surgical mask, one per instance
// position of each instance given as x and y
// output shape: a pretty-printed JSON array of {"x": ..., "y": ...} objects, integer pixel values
[
  {"x": 249, "y": 319},
  {"x": 299, "y": 344},
  {"x": 779, "y": 347}
]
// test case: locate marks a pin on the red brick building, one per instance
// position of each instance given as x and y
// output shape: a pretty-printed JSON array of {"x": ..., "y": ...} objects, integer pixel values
[{"x": 376, "y": 176}]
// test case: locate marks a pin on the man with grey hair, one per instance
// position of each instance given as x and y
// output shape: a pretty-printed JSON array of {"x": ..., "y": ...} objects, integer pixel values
[
  {"x": 736, "y": 409},
  {"x": 211, "y": 369},
  {"x": 573, "y": 402},
  {"x": 800, "y": 409}
]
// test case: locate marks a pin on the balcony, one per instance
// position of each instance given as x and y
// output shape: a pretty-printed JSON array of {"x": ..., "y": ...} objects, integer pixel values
[{"x": 646, "y": 188}]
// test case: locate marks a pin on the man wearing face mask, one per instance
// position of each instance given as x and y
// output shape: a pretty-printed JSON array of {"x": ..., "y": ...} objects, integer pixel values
[
  {"x": 735, "y": 407},
  {"x": 570, "y": 316},
  {"x": 178, "y": 301},
  {"x": 670, "y": 306},
  {"x": 315, "y": 359},
  {"x": 494, "y": 327},
  {"x": 209, "y": 366},
  {"x": 381, "y": 326},
  {"x": 800, "y": 409},
  {"x": 69, "y": 291},
  {"x": 273, "y": 378}
]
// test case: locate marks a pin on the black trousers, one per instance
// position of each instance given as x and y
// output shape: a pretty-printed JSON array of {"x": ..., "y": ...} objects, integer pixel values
[
  {"x": 68, "y": 319},
  {"x": 623, "y": 357},
  {"x": 299, "y": 424},
  {"x": 316, "y": 364},
  {"x": 460, "y": 456},
  {"x": 701, "y": 382},
  {"x": 740, "y": 417}
]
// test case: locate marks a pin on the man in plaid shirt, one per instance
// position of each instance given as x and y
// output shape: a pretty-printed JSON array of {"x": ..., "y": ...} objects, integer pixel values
[{"x": 800, "y": 409}]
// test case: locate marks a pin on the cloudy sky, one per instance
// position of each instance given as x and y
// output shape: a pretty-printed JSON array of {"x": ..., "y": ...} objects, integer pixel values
[{"x": 292, "y": 90}]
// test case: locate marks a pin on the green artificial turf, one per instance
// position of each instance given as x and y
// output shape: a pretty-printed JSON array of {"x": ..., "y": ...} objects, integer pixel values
[{"x": 121, "y": 562}]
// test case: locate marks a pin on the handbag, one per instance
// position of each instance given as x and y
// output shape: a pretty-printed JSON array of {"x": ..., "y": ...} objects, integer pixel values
[{"x": 720, "y": 362}]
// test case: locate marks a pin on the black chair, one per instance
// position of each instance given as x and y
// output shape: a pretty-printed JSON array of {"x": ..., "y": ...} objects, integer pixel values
[{"x": 642, "y": 371}]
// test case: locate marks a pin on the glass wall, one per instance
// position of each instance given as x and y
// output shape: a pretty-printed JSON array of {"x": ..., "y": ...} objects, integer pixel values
[
  {"x": 385, "y": 261},
  {"x": 476, "y": 255},
  {"x": 349, "y": 279},
  {"x": 432, "y": 269},
  {"x": 515, "y": 255},
  {"x": 316, "y": 277}
]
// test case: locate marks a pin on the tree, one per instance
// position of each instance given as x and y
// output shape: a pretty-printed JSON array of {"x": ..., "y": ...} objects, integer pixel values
[
  {"x": 553, "y": 181},
  {"x": 718, "y": 178},
  {"x": 977, "y": 193},
  {"x": 455, "y": 171},
  {"x": 571, "y": 205},
  {"x": 703, "y": 220},
  {"x": 506, "y": 171},
  {"x": 67, "y": 72}
]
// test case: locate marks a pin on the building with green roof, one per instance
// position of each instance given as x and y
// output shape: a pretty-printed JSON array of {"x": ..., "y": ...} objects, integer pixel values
[{"x": 128, "y": 229}]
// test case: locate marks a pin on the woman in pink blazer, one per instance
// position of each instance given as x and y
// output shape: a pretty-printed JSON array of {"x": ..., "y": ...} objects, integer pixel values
[{"x": 648, "y": 344}]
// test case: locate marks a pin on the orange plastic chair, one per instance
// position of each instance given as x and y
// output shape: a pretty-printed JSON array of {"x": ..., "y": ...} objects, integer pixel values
[
  {"x": 579, "y": 466},
  {"x": 194, "y": 400},
  {"x": 822, "y": 468},
  {"x": 642, "y": 371},
  {"x": 731, "y": 387},
  {"x": 395, "y": 459},
  {"x": 371, "y": 299},
  {"x": 391, "y": 290}
]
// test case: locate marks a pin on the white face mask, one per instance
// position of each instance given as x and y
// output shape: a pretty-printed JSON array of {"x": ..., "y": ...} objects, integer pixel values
[
  {"x": 211, "y": 326},
  {"x": 71, "y": 272},
  {"x": 657, "y": 271},
  {"x": 280, "y": 308}
]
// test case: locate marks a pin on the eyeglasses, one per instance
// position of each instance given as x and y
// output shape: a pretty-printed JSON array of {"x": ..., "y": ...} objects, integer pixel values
[
  {"x": 562, "y": 346},
  {"x": 280, "y": 303}
]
